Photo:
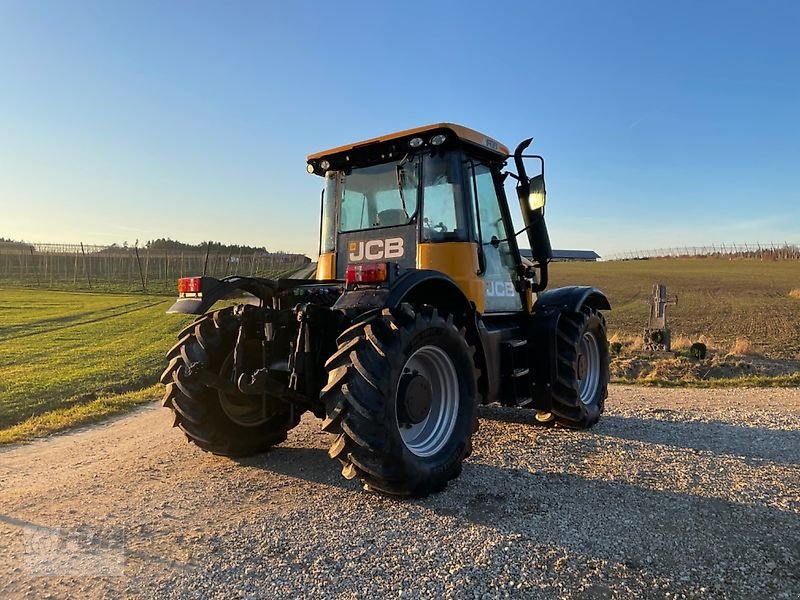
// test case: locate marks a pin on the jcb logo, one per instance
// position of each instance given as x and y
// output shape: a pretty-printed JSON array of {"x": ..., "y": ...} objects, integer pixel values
[
  {"x": 375, "y": 249},
  {"x": 500, "y": 288}
]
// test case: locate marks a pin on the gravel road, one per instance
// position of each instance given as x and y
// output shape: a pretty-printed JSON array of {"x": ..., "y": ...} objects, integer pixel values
[{"x": 676, "y": 493}]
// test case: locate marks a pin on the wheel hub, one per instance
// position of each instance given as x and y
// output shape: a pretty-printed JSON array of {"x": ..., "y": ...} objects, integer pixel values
[
  {"x": 581, "y": 366},
  {"x": 416, "y": 398}
]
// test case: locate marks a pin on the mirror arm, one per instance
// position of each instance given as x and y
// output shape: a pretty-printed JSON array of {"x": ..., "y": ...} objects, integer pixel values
[
  {"x": 538, "y": 157},
  {"x": 495, "y": 242},
  {"x": 522, "y": 230}
]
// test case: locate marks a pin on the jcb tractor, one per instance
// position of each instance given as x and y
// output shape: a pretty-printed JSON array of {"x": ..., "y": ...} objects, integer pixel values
[{"x": 422, "y": 309}]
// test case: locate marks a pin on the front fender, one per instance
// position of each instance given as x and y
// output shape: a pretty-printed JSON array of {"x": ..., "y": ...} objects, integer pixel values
[
  {"x": 572, "y": 298},
  {"x": 212, "y": 290}
]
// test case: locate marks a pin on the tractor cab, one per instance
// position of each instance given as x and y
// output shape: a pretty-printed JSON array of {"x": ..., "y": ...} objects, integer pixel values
[{"x": 427, "y": 198}]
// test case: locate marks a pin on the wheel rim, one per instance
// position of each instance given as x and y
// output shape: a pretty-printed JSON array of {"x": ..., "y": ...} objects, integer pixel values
[
  {"x": 588, "y": 368},
  {"x": 431, "y": 370}
]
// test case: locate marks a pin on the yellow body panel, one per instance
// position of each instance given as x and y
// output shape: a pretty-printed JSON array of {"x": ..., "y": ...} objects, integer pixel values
[
  {"x": 458, "y": 260},
  {"x": 530, "y": 300},
  {"x": 326, "y": 266},
  {"x": 463, "y": 133}
]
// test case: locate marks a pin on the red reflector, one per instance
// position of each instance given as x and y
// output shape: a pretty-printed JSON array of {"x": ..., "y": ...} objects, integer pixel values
[
  {"x": 365, "y": 273},
  {"x": 189, "y": 285}
]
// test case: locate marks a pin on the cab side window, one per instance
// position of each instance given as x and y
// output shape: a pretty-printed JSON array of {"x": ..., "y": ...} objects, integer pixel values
[
  {"x": 444, "y": 218},
  {"x": 500, "y": 267}
]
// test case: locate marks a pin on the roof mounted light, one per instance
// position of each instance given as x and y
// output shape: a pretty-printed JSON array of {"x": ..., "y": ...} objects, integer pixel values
[
  {"x": 415, "y": 142},
  {"x": 325, "y": 165},
  {"x": 310, "y": 168},
  {"x": 438, "y": 139}
]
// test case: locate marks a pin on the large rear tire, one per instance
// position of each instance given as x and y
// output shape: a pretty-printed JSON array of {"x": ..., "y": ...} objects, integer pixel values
[
  {"x": 225, "y": 424},
  {"x": 401, "y": 395},
  {"x": 581, "y": 385}
]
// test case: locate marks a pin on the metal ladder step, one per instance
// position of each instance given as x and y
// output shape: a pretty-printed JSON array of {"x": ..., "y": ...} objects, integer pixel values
[
  {"x": 517, "y": 373},
  {"x": 523, "y": 402}
]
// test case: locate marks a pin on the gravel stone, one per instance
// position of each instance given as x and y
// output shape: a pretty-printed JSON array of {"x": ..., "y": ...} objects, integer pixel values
[{"x": 674, "y": 494}]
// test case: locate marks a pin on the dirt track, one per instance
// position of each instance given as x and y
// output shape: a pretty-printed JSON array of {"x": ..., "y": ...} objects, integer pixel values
[{"x": 676, "y": 493}]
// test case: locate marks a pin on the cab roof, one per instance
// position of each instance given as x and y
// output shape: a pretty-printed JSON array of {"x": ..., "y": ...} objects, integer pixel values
[{"x": 464, "y": 134}]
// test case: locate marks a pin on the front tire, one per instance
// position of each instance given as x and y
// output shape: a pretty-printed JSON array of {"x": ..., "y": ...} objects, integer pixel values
[
  {"x": 581, "y": 385},
  {"x": 224, "y": 424},
  {"x": 401, "y": 395}
]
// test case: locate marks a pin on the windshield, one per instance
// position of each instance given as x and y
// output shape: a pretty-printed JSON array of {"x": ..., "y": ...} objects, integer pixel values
[
  {"x": 390, "y": 194},
  {"x": 379, "y": 196}
]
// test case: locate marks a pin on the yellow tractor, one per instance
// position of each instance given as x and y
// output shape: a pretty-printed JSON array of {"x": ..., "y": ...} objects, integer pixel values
[{"x": 422, "y": 309}]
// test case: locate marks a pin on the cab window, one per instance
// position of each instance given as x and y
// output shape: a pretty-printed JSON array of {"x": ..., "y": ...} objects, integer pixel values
[
  {"x": 444, "y": 218},
  {"x": 499, "y": 263}
]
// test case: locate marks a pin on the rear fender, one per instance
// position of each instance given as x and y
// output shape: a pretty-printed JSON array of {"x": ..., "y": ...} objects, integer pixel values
[
  {"x": 420, "y": 287},
  {"x": 415, "y": 286}
]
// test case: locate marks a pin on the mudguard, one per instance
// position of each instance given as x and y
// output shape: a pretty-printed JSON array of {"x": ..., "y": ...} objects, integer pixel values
[
  {"x": 417, "y": 286},
  {"x": 213, "y": 290},
  {"x": 572, "y": 298},
  {"x": 423, "y": 286}
]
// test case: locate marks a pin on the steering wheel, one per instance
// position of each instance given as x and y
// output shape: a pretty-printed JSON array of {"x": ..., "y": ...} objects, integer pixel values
[{"x": 440, "y": 227}]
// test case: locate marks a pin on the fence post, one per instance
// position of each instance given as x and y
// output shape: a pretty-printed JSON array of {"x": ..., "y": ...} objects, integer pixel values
[
  {"x": 35, "y": 269},
  {"x": 146, "y": 268},
  {"x": 205, "y": 263},
  {"x": 139, "y": 262}
]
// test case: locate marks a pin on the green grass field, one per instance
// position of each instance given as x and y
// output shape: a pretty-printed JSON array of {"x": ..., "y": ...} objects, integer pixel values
[
  {"x": 73, "y": 357},
  {"x": 66, "y": 358}
]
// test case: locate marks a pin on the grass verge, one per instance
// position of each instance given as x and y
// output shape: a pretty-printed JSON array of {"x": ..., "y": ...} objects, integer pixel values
[
  {"x": 60, "y": 419},
  {"x": 754, "y": 381}
]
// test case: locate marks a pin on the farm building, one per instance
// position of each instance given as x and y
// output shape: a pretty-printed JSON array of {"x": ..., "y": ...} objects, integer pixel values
[{"x": 565, "y": 255}]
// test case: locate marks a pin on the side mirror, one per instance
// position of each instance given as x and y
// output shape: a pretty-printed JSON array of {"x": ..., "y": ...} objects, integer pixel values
[{"x": 537, "y": 195}]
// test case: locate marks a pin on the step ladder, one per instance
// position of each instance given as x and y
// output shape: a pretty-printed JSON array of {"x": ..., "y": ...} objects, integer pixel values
[{"x": 515, "y": 388}]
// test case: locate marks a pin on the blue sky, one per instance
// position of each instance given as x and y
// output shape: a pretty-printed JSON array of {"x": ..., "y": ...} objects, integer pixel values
[{"x": 663, "y": 124}]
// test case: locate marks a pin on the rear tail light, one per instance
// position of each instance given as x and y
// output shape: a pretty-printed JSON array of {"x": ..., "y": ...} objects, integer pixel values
[
  {"x": 189, "y": 285},
  {"x": 366, "y": 273}
]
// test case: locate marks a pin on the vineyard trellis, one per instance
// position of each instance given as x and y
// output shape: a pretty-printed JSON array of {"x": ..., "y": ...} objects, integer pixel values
[
  {"x": 82, "y": 266},
  {"x": 757, "y": 250}
]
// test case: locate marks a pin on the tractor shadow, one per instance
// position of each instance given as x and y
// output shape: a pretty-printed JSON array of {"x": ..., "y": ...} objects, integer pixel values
[
  {"x": 309, "y": 464},
  {"x": 641, "y": 522},
  {"x": 637, "y": 525},
  {"x": 752, "y": 444},
  {"x": 506, "y": 414}
]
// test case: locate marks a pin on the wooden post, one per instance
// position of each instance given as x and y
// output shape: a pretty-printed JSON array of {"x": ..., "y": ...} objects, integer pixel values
[
  {"x": 146, "y": 268},
  {"x": 139, "y": 262},
  {"x": 86, "y": 267},
  {"x": 205, "y": 264},
  {"x": 35, "y": 268}
]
